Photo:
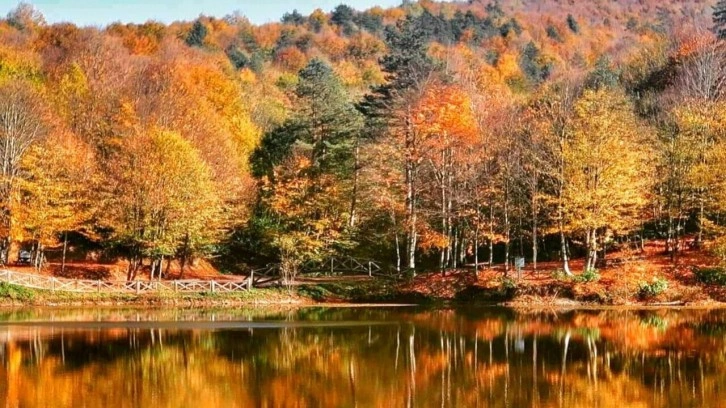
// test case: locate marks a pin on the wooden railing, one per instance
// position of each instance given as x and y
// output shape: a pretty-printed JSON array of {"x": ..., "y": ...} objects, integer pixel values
[
  {"x": 269, "y": 275},
  {"x": 344, "y": 265},
  {"x": 136, "y": 286}
]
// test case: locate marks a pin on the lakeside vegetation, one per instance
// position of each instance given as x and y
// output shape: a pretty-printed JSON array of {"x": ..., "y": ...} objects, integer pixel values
[{"x": 433, "y": 136}]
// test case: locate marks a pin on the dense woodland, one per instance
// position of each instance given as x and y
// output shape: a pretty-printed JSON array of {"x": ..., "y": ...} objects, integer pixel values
[{"x": 425, "y": 136}]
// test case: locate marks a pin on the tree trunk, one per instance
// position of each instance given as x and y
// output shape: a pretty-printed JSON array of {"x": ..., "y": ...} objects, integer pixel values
[
  {"x": 476, "y": 253},
  {"x": 491, "y": 234},
  {"x": 397, "y": 241},
  {"x": 410, "y": 195},
  {"x": 592, "y": 250},
  {"x": 563, "y": 250},
  {"x": 699, "y": 237},
  {"x": 444, "y": 218},
  {"x": 506, "y": 233},
  {"x": 476, "y": 242},
  {"x": 534, "y": 234},
  {"x": 184, "y": 255},
  {"x": 449, "y": 181},
  {"x": 398, "y": 254},
  {"x": 354, "y": 197},
  {"x": 38, "y": 256},
  {"x": 168, "y": 268},
  {"x": 65, "y": 248}
]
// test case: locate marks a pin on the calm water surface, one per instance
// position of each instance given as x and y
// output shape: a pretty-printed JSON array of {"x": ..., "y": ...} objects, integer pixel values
[{"x": 365, "y": 357}]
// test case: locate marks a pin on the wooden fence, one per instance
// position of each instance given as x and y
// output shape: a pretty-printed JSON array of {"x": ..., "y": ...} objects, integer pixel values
[
  {"x": 137, "y": 286},
  {"x": 269, "y": 275},
  {"x": 344, "y": 266}
]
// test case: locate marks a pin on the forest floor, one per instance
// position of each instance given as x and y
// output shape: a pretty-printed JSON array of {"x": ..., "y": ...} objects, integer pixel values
[{"x": 618, "y": 285}]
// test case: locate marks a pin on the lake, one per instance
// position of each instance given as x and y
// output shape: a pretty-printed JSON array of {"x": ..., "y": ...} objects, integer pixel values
[{"x": 362, "y": 357}]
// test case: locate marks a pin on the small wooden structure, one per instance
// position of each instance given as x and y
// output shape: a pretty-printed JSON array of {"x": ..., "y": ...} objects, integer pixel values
[{"x": 137, "y": 286}]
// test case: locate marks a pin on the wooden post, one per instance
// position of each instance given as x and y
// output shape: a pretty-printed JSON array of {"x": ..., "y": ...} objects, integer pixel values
[
  {"x": 138, "y": 287},
  {"x": 370, "y": 273},
  {"x": 212, "y": 285},
  {"x": 52, "y": 284},
  {"x": 250, "y": 279},
  {"x": 176, "y": 288},
  {"x": 98, "y": 282},
  {"x": 331, "y": 265}
]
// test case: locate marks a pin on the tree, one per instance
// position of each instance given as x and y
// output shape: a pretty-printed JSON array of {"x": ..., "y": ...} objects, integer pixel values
[
  {"x": 532, "y": 65},
  {"x": 551, "y": 116},
  {"x": 306, "y": 215},
  {"x": 606, "y": 180},
  {"x": 342, "y": 16},
  {"x": 197, "y": 35},
  {"x": 25, "y": 17},
  {"x": 445, "y": 123},
  {"x": 572, "y": 24},
  {"x": 22, "y": 124},
  {"x": 294, "y": 18},
  {"x": 311, "y": 161},
  {"x": 56, "y": 192},
  {"x": 719, "y": 19},
  {"x": 324, "y": 124},
  {"x": 389, "y": 109},
  {"x": 161, "y": 199}
]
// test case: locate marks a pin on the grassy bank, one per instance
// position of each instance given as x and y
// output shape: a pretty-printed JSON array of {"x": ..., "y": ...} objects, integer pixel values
[
  {"x": 12, "y": 295},
  {"x": 697, "y": 287}
]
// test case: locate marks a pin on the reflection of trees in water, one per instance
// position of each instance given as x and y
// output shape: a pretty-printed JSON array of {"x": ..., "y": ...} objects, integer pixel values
[{"x": 442, "y": 358}]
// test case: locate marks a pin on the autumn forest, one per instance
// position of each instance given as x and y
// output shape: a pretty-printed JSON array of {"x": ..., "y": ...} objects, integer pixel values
[{"x": 427, "y": 137}]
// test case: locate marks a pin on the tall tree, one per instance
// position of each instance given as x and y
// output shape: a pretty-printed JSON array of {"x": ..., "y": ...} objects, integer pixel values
[
  {"x": 160, "y": 198},
  {"x": 56, "y": 192},
  {"x": 390, "y": 109},
  {"x": 310, "y": 166},
  {"x": 22, "y": 124},
  {"x": 606, "y": 180},
  {"x": 197, "y": 35}
]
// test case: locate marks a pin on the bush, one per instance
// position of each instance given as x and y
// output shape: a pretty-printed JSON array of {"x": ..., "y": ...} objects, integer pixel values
[
  {"x": 508, "y": 287},
  {"x": 560, "y": 275},
  {"x": 711, "y": 276},
  {"x": 14, "y": 292},
  {"x": 652, "y": 289},
  {"x": 590, "y": 275}
]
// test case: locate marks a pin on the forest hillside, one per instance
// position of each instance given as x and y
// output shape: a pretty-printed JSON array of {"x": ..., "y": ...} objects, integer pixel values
[{"x": 429, "y": 136}]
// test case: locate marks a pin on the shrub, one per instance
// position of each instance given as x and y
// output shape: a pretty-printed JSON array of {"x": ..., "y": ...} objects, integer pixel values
[
  {"x": 560, "y": 275},
  {"x": 652, "y": 289},
  {"x": 711, "y": 276},
  {"x": 14, "y": 292},
  {"x": 508, "y": 287},
  {"x": 590, "y": 275}
]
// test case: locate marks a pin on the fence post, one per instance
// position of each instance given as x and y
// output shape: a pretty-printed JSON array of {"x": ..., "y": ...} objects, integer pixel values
[
  {"x": 250, "y": 279},
  {"x": 138, "y": 287},
  {"x": 176, "y": 289},
  {"x": 370, "y": 273},
  {"x": 98, "y": 282},
  {"x": 52, "y": 284},
  {"x": 331, "y": 265},
  {"x": 212, "y": 285}
]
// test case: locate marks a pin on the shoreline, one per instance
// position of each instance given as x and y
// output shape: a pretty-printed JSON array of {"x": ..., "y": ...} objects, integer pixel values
[{"x": 275, "y": 297}]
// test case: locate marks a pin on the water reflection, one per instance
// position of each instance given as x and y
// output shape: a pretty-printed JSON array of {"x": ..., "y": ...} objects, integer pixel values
[{"x": 363, "y": 357}]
